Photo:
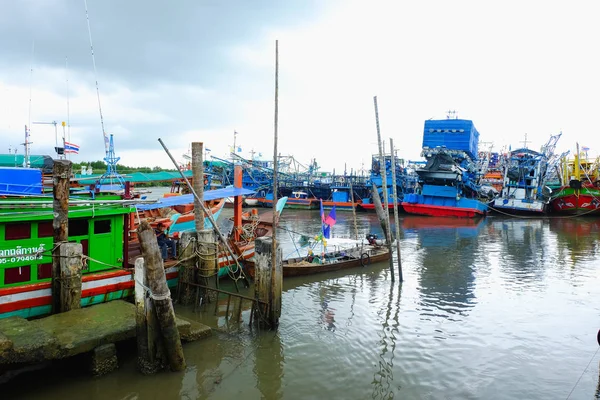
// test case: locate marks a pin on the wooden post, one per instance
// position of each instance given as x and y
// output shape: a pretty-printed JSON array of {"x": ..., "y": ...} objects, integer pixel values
[
  {"x": 396, "y": 219},
  {"x": 268, "y": 279},
  {"x": 160, "y": 294},
  {"x": 187, "y": 270},
  {"x": 383, "y": 220},
  {"x": 61, "y": 174},
  {"x": 274, "y": 243},
  {"x": 198, "y": 183},
  {"x": 237, "y": 203},
  {"x": 207, "y": 246},
  {"x": 70, "y": 276},
  {"x": 382, "y": 169},
  {"x": 353, "y": 210}
]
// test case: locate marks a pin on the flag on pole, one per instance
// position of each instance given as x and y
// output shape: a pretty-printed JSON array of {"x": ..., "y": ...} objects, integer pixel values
[
  {"x": 330, "y": 220},
  {"x": 585, "y": 148},
  {"x": 71, "y": 148}
]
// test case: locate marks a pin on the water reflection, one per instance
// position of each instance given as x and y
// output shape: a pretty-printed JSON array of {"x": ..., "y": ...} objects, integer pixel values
[
  {"x": 268, "y": 365},
  {"x": 525, "y": 248},
  {"x": 384, "y": 376},
  {"x": 577, "y": 238},
  {"x": 448, "y": 248}
]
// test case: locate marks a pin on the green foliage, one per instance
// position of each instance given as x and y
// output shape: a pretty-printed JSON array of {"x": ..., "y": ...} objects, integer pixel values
[{"x": 100, "y": 166}]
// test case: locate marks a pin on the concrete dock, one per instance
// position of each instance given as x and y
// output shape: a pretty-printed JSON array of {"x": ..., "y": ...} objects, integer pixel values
[{"x": 75, "y": 332}]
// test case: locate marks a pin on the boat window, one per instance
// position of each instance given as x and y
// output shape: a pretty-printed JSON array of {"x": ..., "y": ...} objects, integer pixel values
[
  {"x": 44, "y": 271},
  {"x": 102, "y": 226},
  {"x": 78, "y": 227},
  {"x": 45, "y": 229},
  {"x": 19, "y": 230},
  {"x": 17, "y": 274}
]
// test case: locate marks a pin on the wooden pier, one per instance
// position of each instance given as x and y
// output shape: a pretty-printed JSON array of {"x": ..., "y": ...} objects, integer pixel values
[{"x": 74, "y": 332}]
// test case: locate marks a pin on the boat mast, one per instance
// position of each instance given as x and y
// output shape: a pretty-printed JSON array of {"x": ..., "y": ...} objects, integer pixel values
[
  {"x": 26, "y": 162},
  {"x": 106, "y": 139}
]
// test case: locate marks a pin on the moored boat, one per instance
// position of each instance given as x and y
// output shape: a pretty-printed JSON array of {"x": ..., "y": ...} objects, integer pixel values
[
  {"x": 579, "y": 193},
  {"x": 449, "y": 182},
  {"x": 351, "y": 257},
  {"x": 523, "y": 190}
]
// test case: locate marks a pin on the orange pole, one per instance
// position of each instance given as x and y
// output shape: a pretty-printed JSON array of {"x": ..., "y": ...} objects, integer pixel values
[{"x": 237, "y": 203}]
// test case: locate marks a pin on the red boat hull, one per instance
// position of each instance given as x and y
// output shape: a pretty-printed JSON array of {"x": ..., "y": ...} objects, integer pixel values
[{"x": 441, "y": 211}]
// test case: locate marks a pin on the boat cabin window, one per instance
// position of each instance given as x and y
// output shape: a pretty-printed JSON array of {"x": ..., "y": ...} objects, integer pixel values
[
  {"x": 16, "y": 231},
  {"x": 102, "y": 226},
  {"x": 78, "y": 227},
  {"x": 17, "y": 274},
  {"x": 45, "y": 229},
  {"x": 44, "y": 271}
]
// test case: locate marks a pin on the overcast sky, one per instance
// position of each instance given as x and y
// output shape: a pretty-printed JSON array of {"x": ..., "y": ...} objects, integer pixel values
[{"x": 191, "y": 70}]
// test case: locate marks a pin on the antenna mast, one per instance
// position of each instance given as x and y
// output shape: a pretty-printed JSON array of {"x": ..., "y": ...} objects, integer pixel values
[{"x": 106, "y": 140}]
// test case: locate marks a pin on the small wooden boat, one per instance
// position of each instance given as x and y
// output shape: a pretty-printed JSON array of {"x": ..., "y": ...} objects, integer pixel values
[{"x": 332, "y": 261}]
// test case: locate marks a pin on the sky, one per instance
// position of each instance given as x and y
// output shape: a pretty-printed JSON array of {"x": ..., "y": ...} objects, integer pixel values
[{"x": 198, "y": 71}]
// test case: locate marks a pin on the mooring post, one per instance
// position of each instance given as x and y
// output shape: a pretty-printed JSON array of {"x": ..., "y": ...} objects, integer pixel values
[
  {"x": 198, "y": 183},
  {"x": 396, "y": 219},
  {"x": 61, "y": 174},
  {"x": 383, "y": 170},
  {"x": 237, "y": 203},
  {"x": 187, "y": 270},
  {"x": 70, "y": 276},
  {"x": 161, "y": 296},
  {"x": 141, "y": 328},
  {"x": 208, "y": 249},
  {"x": 383, "y": 220},
  {"x": 268, "y": 287}
]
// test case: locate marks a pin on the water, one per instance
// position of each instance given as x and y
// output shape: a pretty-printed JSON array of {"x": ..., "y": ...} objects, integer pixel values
[{"x": 495, "y": 309}]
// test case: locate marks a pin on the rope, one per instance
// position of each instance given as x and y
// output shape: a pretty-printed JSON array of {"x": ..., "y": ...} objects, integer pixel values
[
  {"x": 588, "y": 365},
  {"x": 165, "y": 296}
]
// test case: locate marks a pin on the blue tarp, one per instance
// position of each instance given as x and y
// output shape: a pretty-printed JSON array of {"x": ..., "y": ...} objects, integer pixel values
[
  {"x": 20, "y": 181},
  {"x": 189, "y": 198}
]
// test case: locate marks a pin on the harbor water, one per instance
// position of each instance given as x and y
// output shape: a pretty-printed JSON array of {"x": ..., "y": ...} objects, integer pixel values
[{"x": 497, "y": 308}]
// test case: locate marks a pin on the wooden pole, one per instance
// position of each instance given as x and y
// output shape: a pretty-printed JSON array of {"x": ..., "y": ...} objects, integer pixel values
[
  {"x": 383, "y": 220},
  {"x": 268, "y": 280},
  {"x": 70, "y": 276},
  {"x": 396, "y": 218},
  {"x": 208, "y": 215},
  {"x": 353, "y": 210},
  {"x": 146, "y": 362},
  {"x": 61, "y": 174},
  {"x": 237, "y": 203},
  {"x": 382, "y": 169},
  {"x": 160, "y": 294},
  {"x": 198, "y": 183},
  {"x": 275, "y": 167},
  {"x": 187, "y": 270}
]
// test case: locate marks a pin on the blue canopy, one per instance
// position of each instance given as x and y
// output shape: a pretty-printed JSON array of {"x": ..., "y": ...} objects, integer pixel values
[{"x": 189, "y": 198}]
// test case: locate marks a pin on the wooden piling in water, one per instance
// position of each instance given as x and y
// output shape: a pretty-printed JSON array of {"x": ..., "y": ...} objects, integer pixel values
[
  {"x": 161, "y": 297},
  {"x": 208, "y": 251},
  {"x": 198, "y": 183},
  {"x": 268, "y": 281},
  {"x": 61, "y": 174},
  {"x": 396, "y": 218},
  {"x": 381, "y": 215},
  {"x": 70, "y": 276},
  {"x": 383, "y": 170},
  {"x": 187, "y": 268},
  {"x": 147, "y": 361}
]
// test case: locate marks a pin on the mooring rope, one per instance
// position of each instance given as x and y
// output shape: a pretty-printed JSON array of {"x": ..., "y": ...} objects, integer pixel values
[{"x": 583, "y": 373}]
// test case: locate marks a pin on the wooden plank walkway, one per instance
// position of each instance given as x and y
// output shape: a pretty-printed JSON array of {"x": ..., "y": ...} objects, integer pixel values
[{"x": 77, "y": 331}]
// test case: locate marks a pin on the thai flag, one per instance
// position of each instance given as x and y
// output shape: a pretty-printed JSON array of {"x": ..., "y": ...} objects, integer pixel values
[
  {"x": 585, "y": 148},
  {"x": 71, "y": 148}
]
